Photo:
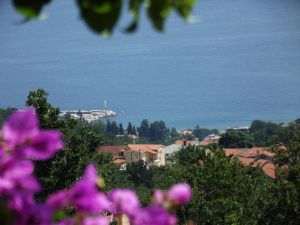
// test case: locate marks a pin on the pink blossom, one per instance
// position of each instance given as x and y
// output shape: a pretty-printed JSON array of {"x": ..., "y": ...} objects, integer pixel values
[
  {"x": 125, "y": 201},
  {"x": 84, "y": 195},
  {"x": 153, "y": 215},
  {"x": 17, "y": 175},
  {"x": 97, "y": 220},
  {"x": 180, "y": 193},
  {"x": 24, "y": 138},
  {"x": 158, "y": 197}
]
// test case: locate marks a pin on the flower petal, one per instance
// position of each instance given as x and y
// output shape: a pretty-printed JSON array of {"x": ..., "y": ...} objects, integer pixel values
[
  {"x": 20, "y": 126},
  {"x": 44, "y": 145},
  {"x": 180, "y": 193}
]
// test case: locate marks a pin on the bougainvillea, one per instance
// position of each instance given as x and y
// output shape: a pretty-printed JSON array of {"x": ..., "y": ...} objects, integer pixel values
[{"x": 22, "y": 140}]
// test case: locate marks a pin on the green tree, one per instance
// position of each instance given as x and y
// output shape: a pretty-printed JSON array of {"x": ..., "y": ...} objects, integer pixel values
[
  {"x": 201, "y": 133},
  {"x": 4, "y": 113},
  {"x": 158, "y": 131},
  {"x": 139, "y": 174},
  {"x": 80, "y": 146},
  {"x": 129, "y": 128},
  {"x": 48, "y": 115},
  {"x": 144, "y": 130},
  {"x": 224, "y": 191},
  {"x": 190, "y": 155},
  {"x": 264, "y": 132},
  {"x": 121, "y": 129},
  {"x": 283, "y": 207},
  {"x": 233, "y": 139}
]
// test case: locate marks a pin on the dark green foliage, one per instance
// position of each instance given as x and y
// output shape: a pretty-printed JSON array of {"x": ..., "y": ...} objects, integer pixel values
[
  {"x": 139, "y": 174},
  {"x": 190, "y": 155},
  {"x": 233, "y": 139},
  {"x": 30, "y": 8},
  {"x": 129, "y": 128},
  {"x": 264, "y": 132},
  {"x": 4, "y": 113},
  {"x": 158, "y": 131},
  {"x": 48, "y": 115},
  {"x": 121, "y": 129},
  {"x": 144, "y": 130},
  {"x": 101, "y": 16},
  {"x": 283, "y": 207}
]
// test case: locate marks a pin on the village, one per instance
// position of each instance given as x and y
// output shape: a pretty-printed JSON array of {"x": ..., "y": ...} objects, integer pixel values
[{"x": 160, "y": 155}]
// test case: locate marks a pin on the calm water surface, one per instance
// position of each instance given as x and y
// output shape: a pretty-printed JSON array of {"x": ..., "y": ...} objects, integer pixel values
[{"x": 239, "y": 62}]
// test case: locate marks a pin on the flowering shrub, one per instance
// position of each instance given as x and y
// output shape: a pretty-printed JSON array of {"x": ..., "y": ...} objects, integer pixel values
[{"x": 21, "y": 140}]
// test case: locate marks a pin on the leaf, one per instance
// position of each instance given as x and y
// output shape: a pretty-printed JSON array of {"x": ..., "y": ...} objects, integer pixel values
[
  {"x": 158, "y": 11},
  {"x": 30, "y": 9},
  {"x": 134, "y": 8},
  {"x": 100, "y": 15},
  {"x": 184, "y": 7}
]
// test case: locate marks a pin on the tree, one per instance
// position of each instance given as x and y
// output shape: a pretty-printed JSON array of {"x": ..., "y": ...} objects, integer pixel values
[
  {"x": 264, "y": 132},
  {"x": 134, "y": 130},
  {"x": 80, "y": 145},
  {"x": 144, "y": 130},
  {"x": 121, "y": 129},
  {"x": 139, "y": 174},
  {"x": 283, "y": 207},
  {"x": 101, "y": 16},
  {"x": 48, "y": 115},
  {"x": 4, "y": 113},
  {"x": 129, "y": 128},
  {"x": 224, "y": 191},
  {"x": 233, "y": 139},
  {"x": 158, "y": 131},
  {"x": 190, "y": 155},
  {"x": 201, "y": 133}
]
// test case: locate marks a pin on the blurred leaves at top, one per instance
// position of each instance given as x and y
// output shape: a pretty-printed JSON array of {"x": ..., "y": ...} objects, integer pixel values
[{"x": 101, "y": 16}]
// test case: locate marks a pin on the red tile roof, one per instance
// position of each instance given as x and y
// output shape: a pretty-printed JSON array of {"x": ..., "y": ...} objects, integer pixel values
[
  {"x": 182, "y": 142},
  {"x": 112, "y": 149},
  {"x": 251, "y": 157},
  {"x": 152, "y": 149},
  {"x": 244, "y": 152},
  {"x": 206, "y": 142},
  {"x": 267, "y": 167}
]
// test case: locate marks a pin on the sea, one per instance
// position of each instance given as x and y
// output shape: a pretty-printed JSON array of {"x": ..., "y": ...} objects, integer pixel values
[{"x": 232, "y": 62}]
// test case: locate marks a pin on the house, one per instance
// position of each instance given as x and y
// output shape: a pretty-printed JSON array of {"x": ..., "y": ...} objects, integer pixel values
[
  {"x": 210, "y": 139},
  {"x": 149, "y": 153},
  {"x": 255, "y": 157},
  {"x": 117, "y": 153},
  {"x": 185, "y": 142},
  {"x": 171, "y": 149}
]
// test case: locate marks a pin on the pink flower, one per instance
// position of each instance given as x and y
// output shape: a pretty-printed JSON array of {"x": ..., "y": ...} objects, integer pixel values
[
  {"x": 180, "y": 193},
  {"x": 125, "y": 201},
  {"x": 153, "y": 215},
  {"x": 97, "y": 220},
  {"x": 17, "y": 175},
  {"x": 158, "y": 197},
  {"x": 25, "y": 139},
  {"x": 84, "y": 195}
]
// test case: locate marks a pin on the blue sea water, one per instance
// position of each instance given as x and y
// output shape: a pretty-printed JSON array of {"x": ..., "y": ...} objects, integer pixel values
[{"x": 239, "y": 61}]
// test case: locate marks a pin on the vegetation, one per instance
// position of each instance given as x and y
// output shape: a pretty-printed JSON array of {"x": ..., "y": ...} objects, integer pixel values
[
  {"x": 233, "y": 139},
  {"x": 102, "y": 16},
  {"x": 201, "y": 133},
  {"x": 224, "y": 190},
  {"x": 4, "y": 113}
]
